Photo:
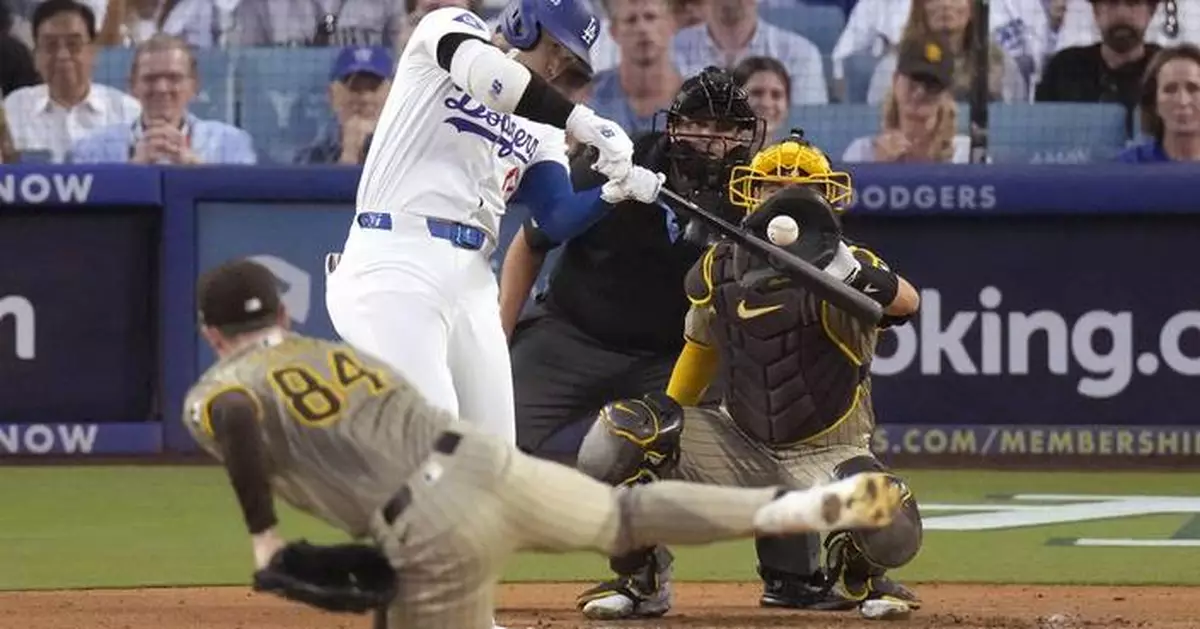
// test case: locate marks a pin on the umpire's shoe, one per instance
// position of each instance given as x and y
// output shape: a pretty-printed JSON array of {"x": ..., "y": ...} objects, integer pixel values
[
  {"x": 791, "y": 591},
  {"x": 856, "y": 579},
  {"x": 646, "y": 595}
]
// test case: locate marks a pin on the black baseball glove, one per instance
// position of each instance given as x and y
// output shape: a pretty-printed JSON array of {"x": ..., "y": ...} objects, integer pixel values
[{"x": 351, "y": 578}]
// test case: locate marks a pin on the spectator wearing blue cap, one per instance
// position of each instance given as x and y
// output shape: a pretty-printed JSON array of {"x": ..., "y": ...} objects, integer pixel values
[
  {"x": 359, "y": 84},
  {"x": 1170, "y": 108},
  {"x": 164, "y": 81}
]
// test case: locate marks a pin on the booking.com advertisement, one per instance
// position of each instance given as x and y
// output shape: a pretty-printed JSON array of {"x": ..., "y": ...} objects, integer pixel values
[{"x": 1056, "y": 334}]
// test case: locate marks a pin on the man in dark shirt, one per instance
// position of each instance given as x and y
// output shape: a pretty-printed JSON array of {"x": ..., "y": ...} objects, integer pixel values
[
  {"x": 608, "y": 327},
  {"x": 16, "y": 60},
  {"x": 1110, "y": 71}
]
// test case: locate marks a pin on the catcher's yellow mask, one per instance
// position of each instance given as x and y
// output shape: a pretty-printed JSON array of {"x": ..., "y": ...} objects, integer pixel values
[{"x": 790, "y": 162}]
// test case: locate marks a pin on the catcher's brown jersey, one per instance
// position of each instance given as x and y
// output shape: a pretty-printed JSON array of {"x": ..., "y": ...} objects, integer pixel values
[
  {"x": 340, "y": 431},
  {"x": 795, "y": 367}
]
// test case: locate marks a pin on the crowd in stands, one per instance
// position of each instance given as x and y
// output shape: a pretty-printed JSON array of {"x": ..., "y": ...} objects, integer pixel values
[{"x": 871, "y": 80}]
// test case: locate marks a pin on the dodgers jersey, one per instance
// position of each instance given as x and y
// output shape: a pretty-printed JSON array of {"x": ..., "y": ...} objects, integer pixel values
[{"x": 439, "y": 153}]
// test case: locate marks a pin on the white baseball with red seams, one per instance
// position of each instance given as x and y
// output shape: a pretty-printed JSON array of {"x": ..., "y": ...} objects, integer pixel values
[{"x": 783, "y": 230}]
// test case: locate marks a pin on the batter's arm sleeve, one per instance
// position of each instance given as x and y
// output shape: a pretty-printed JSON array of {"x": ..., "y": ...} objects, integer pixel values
[
  {"x": 556, "y": 209},
  {"x": 697, "y": 363},
  {"x": 522, "y": 263},
  {"x": 459, "y": 42},
  {"x": 234, "y": 416}
]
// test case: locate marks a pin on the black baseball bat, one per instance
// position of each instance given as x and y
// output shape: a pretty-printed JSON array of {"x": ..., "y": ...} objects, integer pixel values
[{"x": 825, "y": 285}]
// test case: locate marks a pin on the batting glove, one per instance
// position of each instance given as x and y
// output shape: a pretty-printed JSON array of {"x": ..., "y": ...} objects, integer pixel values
[
  {"x": 615, "y": 147},
  {"x": 844, "y": 265},
  {"x": 641, "y": 185}
]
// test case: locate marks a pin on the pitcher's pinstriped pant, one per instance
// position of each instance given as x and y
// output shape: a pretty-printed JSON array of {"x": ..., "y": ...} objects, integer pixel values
[{"x": 473, "y": 509}]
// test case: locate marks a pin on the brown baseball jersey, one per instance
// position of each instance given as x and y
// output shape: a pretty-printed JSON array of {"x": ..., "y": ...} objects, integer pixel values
[{"x": 340, "y": 432}]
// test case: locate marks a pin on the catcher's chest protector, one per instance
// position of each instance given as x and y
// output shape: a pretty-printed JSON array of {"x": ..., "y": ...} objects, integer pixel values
[{"x": 785, "y": 377}]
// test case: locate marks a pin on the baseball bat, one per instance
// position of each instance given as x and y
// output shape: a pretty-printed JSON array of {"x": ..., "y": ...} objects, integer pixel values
[{"x": 823, "y": 284}]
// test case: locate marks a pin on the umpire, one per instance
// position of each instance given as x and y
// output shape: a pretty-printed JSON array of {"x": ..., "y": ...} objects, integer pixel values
[
  {"x": 609, "y": 325},
  {"x": 609, "y": 321}
]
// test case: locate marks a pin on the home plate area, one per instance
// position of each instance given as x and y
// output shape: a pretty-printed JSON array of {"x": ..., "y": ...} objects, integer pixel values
[{"x": 550, "y": 606}]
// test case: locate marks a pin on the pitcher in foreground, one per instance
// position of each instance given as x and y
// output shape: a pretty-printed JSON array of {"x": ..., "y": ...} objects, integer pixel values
[{"x": 346, "y": 439}]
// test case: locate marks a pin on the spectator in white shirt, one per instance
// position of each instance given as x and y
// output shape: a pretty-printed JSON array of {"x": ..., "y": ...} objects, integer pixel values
[
  {"x": 920, "y": 117},
  {"x": 875, "y": 27},
  {"x": 47, "y": 119},
  {"x": 733, "y": 31},
  {"x": 953, "y": 21}
]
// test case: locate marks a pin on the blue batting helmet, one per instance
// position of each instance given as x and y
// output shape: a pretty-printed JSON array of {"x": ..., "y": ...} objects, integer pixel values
[{"x": 570, "y": 22}]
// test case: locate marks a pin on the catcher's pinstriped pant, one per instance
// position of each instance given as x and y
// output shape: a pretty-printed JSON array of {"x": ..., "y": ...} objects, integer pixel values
[
  {"x": 714, "y": 450},
  {"x": 473, "y": 504}
]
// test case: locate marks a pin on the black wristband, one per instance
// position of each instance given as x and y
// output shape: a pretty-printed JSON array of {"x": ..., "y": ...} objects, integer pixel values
[
  {"x": 542, "y": 103},
  {"x": 877, "y": 283}
]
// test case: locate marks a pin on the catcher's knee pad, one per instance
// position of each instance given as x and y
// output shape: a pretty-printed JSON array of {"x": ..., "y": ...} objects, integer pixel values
[
  {"x": 632, "y": 441},
  {"x": 897, "y": 543}
]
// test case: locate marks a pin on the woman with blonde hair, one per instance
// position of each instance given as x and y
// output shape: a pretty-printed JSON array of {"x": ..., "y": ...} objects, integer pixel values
[
  {"x": 953, "y": 20},
  {"x": 920, "y": 117},
  {"x": 1170, "y": 108}
]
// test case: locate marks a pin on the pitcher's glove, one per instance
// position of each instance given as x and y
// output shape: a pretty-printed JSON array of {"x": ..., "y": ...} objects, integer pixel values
[{"x": 351, "y": 578}]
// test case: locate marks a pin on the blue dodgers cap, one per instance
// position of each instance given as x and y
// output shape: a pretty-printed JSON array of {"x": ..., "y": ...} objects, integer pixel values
[{"x": 375, "y": 60}]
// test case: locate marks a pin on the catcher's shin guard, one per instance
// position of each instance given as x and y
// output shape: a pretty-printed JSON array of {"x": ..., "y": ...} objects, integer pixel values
[
  {"x": 632, "y": 441},
  {"x": 856, "y": 561}
]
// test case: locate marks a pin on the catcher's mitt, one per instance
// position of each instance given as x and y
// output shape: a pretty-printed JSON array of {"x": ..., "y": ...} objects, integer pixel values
[{"x": 342, "y": 578}]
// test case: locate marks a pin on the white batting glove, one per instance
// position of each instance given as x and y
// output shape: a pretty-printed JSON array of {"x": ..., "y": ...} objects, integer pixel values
[
  {"x": 616, "y": 149},
  {"x": 640, "y": 185},
  {"x": 844, "y": 265}
]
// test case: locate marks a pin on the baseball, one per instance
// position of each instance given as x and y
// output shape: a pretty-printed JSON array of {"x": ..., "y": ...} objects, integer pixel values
[{"x": 783, "y": 230}]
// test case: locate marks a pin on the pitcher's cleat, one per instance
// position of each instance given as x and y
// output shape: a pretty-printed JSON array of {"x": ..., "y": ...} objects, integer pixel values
[{"x": 867, "y": 500}]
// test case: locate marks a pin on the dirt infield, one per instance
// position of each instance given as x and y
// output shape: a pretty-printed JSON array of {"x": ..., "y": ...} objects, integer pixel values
[{"x": 548, "y": 606}]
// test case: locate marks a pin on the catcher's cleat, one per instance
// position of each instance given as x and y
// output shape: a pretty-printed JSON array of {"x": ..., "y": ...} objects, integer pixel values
[
  {"x": 867, "y": 500},
  {"x": 791, "y": 591},
  {"x": 855, "y": 578},
  {"x": 628, "y": 596}
]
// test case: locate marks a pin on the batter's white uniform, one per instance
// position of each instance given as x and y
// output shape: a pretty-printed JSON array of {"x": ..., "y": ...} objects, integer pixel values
[{"x": 418, "y": 302}]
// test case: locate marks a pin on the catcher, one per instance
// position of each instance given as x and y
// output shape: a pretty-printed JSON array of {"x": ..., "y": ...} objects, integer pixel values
[
  {"x": 342, "y": 437},
  {"x": 796, "y": 371}
]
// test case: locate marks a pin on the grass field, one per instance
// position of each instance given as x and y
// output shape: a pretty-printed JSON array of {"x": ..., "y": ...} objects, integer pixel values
[{"x": 66, "y": 527}]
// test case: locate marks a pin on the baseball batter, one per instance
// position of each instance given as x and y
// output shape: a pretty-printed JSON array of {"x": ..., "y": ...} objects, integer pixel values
[
  {"x": 342, "y": 437},
  {"x": 466, "y": 128},
  {"x": 797, "y": 388}
]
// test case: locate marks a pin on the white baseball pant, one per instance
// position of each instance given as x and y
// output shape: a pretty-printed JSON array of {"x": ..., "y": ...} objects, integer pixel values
[{"x": 431, "y": 311}]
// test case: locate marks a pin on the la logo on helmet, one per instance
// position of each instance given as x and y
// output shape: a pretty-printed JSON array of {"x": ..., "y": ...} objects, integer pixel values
[{"x": 589, "y": 33}]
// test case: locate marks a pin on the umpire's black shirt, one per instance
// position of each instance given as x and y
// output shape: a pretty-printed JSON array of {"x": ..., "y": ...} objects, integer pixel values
[{"x": 621, "y": 281}]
